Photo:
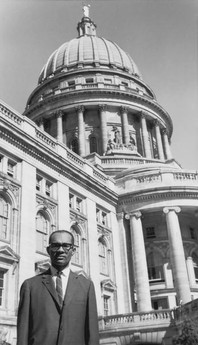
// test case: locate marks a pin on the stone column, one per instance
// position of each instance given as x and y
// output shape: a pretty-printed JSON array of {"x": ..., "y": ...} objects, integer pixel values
[
  {"x": 166, "y": 145},
  {"x": 103, "y": 125},
  {"x": 125, "y": 125},
  {"x": 159, "y": 140},
  {"x": 59, "y": 116},
  {"x": 41, "y": 124},
  {"x": 177, "y": 255},
  {"x": 81, "y": 130},
  {"x": 191, "y": 273},
  {"x": 146, "y": 144},
  {"x": 124, "y": 269},
  {"x": 139, "y": 263}
]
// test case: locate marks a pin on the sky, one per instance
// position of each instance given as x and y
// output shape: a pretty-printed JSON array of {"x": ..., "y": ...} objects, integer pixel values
[{"x": 160, "y": 35}]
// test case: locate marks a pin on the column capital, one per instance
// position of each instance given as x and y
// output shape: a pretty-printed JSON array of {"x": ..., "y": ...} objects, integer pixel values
[
  {"x": 80, "y": 108},
  {"x": 176, "y": 209},
  {"x": 156, "y": 122},
  {"x": 136, "y": 214},
  {"x": 59, "y": 113},
  {"x": 164, "y": 131},
  {"x": 124, "y": 109},
  {"x": 40, "y": 121},
  {"x": 120, "y": 215},
  {"x": 102, "y": 107},
  {"x": 143, "y": 114}
]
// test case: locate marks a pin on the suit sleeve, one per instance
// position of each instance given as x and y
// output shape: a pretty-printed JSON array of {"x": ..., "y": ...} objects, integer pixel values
[
  {"x": 92, "y": 331},
  {"x": 23, "y": 315}
]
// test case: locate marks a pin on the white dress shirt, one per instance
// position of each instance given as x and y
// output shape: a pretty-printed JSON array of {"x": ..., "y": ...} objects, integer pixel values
[{"x": 64, "y": 277}]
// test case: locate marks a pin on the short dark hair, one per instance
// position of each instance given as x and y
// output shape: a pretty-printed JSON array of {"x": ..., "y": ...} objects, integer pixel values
[{"x": 61, "y": 231}]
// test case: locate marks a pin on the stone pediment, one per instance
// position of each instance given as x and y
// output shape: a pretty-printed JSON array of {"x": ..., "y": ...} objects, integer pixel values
[
  {"x": 8, "y": 254},
  {"x": 42, "y": 266},
  {"x": 108, "y": 285}
]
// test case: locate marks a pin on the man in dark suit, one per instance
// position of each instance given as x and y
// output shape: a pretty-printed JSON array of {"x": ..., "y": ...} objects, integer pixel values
[{"x": 58, "y": 307}]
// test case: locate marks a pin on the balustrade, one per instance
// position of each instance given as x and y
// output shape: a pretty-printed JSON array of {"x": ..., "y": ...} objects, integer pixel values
[{"x": 135, "y": 319}]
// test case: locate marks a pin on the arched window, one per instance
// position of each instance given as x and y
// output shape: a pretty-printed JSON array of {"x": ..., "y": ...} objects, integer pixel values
[
  {"x": 155, "y": 267},
  {"x": 77, "y": 257},
  {"x": 103, "y": 258},
  {"x": 195, "y": 265},
  {"x": 42, "y": 231},
  {"x": 93, "y": 144},
  {"x": 4, "y": 218},
  {"x": 74, "y": 145}
]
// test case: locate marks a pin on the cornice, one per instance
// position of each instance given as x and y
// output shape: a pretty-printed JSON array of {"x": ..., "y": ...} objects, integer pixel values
[
  {"x": 158, "y": 195},
  {"x": 61, "y": 76},
  {"x": 141, "y": 100},
  {"x": 56, "y": 162}
]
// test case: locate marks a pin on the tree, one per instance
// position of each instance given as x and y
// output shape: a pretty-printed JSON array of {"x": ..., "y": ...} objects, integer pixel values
[{"x": 188, "y": 336}]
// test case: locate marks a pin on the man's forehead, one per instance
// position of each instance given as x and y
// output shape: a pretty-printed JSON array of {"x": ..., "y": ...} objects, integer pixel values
[{"x": 62, "y": 237}]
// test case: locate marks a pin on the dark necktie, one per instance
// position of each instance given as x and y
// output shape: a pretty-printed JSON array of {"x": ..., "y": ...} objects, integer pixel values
[{"x": 59, "y": 287}]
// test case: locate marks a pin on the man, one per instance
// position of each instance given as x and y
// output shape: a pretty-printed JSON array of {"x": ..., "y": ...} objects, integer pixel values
[{"x": 58, "y": 307}]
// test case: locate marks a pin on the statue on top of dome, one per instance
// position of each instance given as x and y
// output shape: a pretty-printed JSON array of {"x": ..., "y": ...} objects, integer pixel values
[{"x": 86, "y": 10}]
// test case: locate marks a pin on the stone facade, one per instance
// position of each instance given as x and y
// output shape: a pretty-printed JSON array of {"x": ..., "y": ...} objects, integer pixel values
[{"x": 91, "y": 154}]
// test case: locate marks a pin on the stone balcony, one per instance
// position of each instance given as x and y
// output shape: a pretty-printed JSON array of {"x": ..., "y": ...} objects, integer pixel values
[{"x": 155, "y": 327}]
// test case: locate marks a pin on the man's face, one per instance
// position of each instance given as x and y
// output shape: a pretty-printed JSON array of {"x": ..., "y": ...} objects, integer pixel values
[{"x": 60, "y": 256}]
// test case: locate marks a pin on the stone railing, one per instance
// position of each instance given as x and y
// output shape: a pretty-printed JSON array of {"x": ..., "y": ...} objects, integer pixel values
[
  {"x": 126, "y": 161},
  {"x": 186, "y": 311},
  {"x": 47, "y": 139},
  {"x": 11, "y": 115},
  {"x": 136, "y": 320}
]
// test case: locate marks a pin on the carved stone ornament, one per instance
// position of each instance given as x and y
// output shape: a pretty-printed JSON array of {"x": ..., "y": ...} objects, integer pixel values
[
  {"x": 46, "y": 204},
  {"x": 103, "y": 232},
  {"x": 77, "y": 218}
]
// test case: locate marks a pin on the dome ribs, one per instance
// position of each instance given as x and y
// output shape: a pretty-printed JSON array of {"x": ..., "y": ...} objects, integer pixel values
[
  {"x": 88, "y": 51},
  {"x": 95, "y": 50},
  {"x": 60, "y": 56},
  {"x": 109, "y": 52}
]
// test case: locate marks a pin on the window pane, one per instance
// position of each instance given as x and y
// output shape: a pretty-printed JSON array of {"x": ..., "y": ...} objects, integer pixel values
[
  {"x": 42, "y": 232},
  {"x": 2, "y": 273},
  {"x": 3, "y": 218}
]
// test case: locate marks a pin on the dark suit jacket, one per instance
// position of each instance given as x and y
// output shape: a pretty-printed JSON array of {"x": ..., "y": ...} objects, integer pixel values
[{"x": 41, "y": 320}]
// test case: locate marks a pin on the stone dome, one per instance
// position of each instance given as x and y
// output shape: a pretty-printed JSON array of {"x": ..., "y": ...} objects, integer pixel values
[{"x": 89, "y": 51}]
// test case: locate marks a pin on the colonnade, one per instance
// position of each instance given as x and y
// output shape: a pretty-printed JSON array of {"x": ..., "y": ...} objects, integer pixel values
[
  {"x": 162, "y": 141},
  {"x": 177, "y": 258}
]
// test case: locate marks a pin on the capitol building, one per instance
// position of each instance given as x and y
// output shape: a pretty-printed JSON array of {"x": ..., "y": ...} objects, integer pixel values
[{"x": 91, "y": 154}]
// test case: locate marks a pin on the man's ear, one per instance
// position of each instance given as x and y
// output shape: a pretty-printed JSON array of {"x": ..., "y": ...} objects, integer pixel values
[
  {"x": 73, "y": 250},
  {"x": 48, "y": 251}
]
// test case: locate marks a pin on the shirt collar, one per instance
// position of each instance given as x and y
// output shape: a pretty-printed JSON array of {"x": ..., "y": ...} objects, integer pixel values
[{"x": 65, "y": 271}]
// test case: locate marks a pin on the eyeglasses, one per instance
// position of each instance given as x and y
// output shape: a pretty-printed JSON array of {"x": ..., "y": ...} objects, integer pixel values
[{"x": 55, "y": 246}]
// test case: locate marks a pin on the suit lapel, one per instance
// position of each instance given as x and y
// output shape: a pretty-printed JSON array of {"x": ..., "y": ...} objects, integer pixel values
[
  {"x": 49, "y": 284},
  {"x": 71, "y": 288}
]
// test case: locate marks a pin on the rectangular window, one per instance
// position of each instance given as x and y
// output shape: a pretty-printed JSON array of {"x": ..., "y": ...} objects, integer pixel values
[
  {"x": 2, "y": 287},
  {"x": 150, "y": 232},
  {"x": 10, "y": 168},
  {"x": 160, "y": 304},
  {"x": 108, "y": 81},
  {"x": 71, "y": 84},
  {"x": 38, "y": 183},
  {"x": 76, "y": 203},
  {"x": 156, "y": 273},
  {"x": 89, "y": 80},
  {"x": 106, "y": 305},
  {"x": 48, "y": 188},
  {"x": 104, "y": 218},
  {"x": 79, "y": 204},
  {"x": 124, "y": 83},
  {"x": 101, "y": 217},
  {"x": 192, "y": 233}
]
